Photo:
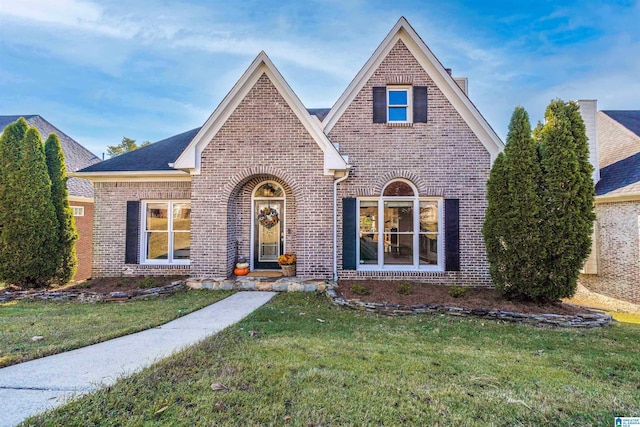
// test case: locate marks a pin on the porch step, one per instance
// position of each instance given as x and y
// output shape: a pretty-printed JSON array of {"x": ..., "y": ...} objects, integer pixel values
[
  {"x": 259, "y": 283},
  {"x": 265, "y": 273}
]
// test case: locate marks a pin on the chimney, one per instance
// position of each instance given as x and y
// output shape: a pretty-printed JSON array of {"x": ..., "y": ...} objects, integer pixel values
[
  {"x": 589, "y": 112},
  {"x": 463, "y": 83}
]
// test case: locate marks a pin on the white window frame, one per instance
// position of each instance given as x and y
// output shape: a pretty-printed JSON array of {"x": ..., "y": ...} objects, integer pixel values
[
  {"x": 170, "y": 231},
  {"x": 416, "y": 266},
  {"x": 77, "y": 210},
  {"x": 408, "y": 106}
]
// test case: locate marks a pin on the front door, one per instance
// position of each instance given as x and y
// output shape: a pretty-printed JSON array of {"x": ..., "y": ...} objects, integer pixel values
[{"x": 269, "y": 233}]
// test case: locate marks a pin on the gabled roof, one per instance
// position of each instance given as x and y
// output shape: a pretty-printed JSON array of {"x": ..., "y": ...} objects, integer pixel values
[
  {"x": 621, "y": 178},
  {"x": 75, "y": 155},
  {"x": 153, "y": 157},
  {"x": 190, "y": 157},
  {"x": 403, "y": 31},
  {"x": 627, "y": 118}
]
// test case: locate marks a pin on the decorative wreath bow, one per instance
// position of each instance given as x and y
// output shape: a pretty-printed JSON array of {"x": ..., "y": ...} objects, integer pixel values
[{"x": 268, "y": 217}]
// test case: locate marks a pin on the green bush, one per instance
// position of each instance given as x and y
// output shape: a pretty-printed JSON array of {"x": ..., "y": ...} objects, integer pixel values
[
  {"x": 360, "y": 289},
  {"x": 147, "y": 283},
  {"x": 404, "y": 288},
  {"x": 456, "y": 291},
  {"x": 125, "y": 281}
]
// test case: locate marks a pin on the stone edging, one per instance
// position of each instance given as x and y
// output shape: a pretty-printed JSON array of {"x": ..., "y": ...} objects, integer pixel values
[
  {"x": 80, "y": 295},
  {"x": 586, "y": 320}
]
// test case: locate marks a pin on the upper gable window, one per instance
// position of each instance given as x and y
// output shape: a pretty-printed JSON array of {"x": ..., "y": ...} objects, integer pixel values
[{"x": 398, "y": 104}]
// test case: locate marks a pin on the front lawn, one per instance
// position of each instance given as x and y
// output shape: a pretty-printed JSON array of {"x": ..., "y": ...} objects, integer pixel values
[
  {"x": 65, "y": 326},
  {"x": 300, "y": 361}
]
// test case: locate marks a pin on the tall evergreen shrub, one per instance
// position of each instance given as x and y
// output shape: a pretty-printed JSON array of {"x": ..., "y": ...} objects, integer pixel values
[
  {"x": 29, "y": 229},
  {"x": 10, "y": 145},
  {"x": 538, "y": 223},
  {"x": 67, "y": 234},
  {"x": 568, "y": 195}
]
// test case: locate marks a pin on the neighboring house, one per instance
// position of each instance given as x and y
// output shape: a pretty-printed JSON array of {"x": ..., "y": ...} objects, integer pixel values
[
  {"x": 389, "y": 183},
  {"x": 80, "y": 190},
  {"x": 613, "y": 268}
]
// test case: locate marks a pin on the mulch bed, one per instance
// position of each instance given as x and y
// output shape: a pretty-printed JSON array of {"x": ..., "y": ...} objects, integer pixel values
[
  {"x": 106, "y": 285},
  {"x": 386, "y": 291}
]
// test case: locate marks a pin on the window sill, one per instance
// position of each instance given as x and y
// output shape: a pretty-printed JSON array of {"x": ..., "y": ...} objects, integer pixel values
[
  {"x": 399, "y": 124},
  {"x": 409, "y": 269},
  {"x": 165, "y": 264}
]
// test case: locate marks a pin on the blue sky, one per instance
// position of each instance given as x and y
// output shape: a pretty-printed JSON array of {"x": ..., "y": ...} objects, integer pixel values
[{"x": 149, "y": 69}]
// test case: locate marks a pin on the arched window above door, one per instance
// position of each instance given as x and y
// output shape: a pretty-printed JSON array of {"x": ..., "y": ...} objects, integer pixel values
[{"x": 269, "y": 189}]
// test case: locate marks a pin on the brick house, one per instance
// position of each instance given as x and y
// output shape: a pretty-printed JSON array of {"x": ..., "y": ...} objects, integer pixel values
[
  {"x": 613, "y": 268},
  {"x": 80, "y": 190},
  {"x": 388, "y": 183}
]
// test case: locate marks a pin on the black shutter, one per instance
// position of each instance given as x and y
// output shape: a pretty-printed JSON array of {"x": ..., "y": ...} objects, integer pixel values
[
  {"x": 452, "y": 234},
  {"x": 349, "y": 233},
  {"x": 379, "y": 104},
  {"x": 419, "y": 104},
  {"x": 133, "y": 232}
]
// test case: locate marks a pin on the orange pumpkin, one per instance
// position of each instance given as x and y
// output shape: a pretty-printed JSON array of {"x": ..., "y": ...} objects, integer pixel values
[{"x": 241, "y": 271}]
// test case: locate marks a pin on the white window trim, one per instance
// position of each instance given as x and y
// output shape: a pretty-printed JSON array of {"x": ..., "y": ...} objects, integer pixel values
[
  {"x": 143, "y": 235},
  {"x": 409, "y": 104},
  {"x": 439, "y": 267},
  {"x": 77, "y": 210}
]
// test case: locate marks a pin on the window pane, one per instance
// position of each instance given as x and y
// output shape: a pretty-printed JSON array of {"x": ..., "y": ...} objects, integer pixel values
[
  {"x": 182, "y": 216},
  {"x": 398, "y": 114},
  {"x": 397, "y": 97},
  {"x": 428, "y": 249},
  {"x": 157, "y": 216},
  {"x": 181, "y": 245},
  {"x": 398, "y": 249},
  {"x": 368, "y": 248},
  {"x": 368, "y": 217},
  {"x": 398, "y": 216},
  {"x": 157, "y": 245},
  {"x": 269, "y": 190},
  {"x": 398, "y": 188},
  {"x": 429, "y": 216}
]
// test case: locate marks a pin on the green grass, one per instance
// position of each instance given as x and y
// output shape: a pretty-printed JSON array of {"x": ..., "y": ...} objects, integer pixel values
[
  {"x": 66, "y": 326},
  {"x": 301, "y": 362}
]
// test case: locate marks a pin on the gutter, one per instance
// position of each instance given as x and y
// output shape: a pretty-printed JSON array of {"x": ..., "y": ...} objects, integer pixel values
[{"x": 335, "y": 222}]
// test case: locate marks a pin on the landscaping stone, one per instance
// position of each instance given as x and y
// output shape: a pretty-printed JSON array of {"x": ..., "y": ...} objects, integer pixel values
[
  {"x": 295, "y": 287},
  {"x": 92, "y": 297},
  {"x": 586, "y": 320}
]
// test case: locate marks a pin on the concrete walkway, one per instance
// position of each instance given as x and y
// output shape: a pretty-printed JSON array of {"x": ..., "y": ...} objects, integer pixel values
[{"x": 33, "y": 387}]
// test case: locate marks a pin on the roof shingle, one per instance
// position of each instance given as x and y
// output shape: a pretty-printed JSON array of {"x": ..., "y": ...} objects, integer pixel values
[
  {"x": 154, "y": 157},
  {"x": 75, "y": 155}
]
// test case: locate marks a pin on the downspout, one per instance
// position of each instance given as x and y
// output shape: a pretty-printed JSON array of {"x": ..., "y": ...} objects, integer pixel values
[{"x": 335, "y": 222}]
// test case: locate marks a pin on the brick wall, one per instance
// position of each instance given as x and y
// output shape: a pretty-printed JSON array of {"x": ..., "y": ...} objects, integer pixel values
[
  {"x": 442, "y": 158},
  {"x": 618, "y": 240},
  {"x": 110, "y": 225},
  {"x": 84, "y": 244},
  {"x": 261, "y": 140}
]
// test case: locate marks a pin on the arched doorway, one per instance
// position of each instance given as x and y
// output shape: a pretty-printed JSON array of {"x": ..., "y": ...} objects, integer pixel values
[{"x": 268, "y": 228}]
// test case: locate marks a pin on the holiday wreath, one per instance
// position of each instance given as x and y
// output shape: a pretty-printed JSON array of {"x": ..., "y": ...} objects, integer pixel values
[{"x": 268, "y": 217}]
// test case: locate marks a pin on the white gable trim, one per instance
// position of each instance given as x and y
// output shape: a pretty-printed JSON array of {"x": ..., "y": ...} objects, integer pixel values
[
  {"x": 191, "y": 156},
  {"x": 434, "y": 69}
]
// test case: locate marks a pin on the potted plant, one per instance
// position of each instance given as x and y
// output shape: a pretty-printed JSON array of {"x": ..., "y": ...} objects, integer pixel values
[{"x": 287, "y": 262}]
